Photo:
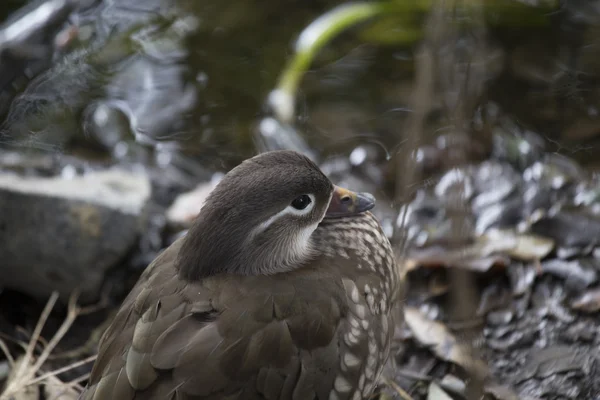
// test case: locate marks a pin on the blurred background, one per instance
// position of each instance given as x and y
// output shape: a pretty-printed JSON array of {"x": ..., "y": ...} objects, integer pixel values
[{"x": 476, "y": 124}]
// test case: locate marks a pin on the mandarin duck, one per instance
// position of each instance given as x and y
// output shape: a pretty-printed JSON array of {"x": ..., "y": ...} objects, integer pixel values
[{"x": 285, "y": 287}]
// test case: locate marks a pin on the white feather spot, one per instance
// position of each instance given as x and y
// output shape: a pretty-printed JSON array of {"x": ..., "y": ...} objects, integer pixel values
[
  {"x": 360, "y": 311},
  {"x": 351, "y": 339},
  {"x": 372, "y": 347},
  {"x": 354, "y": 294},
  {"x": 351, "y": 360},
  {"x": 341, "y": 384}
]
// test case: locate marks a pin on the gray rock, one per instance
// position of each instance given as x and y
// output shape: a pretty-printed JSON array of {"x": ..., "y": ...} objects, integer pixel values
[
  {"x": 63, "y": 234},
  {"x": 185, "y": 208}
]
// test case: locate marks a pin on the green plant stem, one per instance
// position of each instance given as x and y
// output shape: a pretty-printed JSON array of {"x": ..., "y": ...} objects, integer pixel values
[{"x": 312, "y": 39}]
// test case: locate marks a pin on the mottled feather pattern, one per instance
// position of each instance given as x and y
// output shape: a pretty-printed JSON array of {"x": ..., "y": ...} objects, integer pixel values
[
  {"x": 283, "y": 336},
  {"x": 373, "y": 290}
]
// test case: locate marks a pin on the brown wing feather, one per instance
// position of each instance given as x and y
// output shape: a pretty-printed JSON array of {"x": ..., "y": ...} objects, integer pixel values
[{"x": 223, "y": 338}]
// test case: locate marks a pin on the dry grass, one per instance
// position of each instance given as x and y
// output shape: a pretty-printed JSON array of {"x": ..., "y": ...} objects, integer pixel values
[{"x": 27, "y": 377}]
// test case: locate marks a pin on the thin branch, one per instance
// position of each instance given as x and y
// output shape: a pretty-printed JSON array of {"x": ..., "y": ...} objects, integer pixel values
[
  {"x": 21, "y": 372},
  {"x": 401, "y": 392},
  {"x": 64, "y": 328},
  {"x": 61, "y": 370},
  {"x": 27, "y": 369},
  {"x": 4, "y": 348}
]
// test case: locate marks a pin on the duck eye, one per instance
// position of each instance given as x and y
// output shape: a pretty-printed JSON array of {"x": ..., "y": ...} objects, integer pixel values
[{"x": 301, "y": 202}]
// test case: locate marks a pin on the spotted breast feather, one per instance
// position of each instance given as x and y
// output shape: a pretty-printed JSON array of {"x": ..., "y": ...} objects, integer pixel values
[{"x": 285, "y": 336}]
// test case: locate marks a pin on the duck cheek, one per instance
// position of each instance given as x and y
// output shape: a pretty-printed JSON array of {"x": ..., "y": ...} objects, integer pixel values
[
  {"x": 301, "y": 245},
  {"x": 293, "y": 246}
]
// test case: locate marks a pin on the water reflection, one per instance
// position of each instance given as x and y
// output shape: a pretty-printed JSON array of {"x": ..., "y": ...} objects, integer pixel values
[
  {"x": 175, "y": 71},
  {"x": 164, "y": 80}
]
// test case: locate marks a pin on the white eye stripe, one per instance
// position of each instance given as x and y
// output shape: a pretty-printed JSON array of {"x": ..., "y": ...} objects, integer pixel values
[{"x": 289, "y": 210}]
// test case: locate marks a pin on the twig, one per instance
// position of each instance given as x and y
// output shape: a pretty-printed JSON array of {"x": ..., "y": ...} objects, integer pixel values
[
  {"x": 101, "y": 304},
  {"x": 27, "y": 369},
  {"x": 9, "y": 357},
  {"x": 413, "y": 375},
  {"x": 95, "y": 335},
  {"x": 74, "y": 384},
  {"x": 21, "y": 372},
  {"x": 77, "y": 381},
  {"x": 61, "y": 370},
  {"x": 20, "y": 331},
  {"x": 401, "y": 392},
  {"x": 64, "y": 328},
  {"x": 89, "y": 345}
]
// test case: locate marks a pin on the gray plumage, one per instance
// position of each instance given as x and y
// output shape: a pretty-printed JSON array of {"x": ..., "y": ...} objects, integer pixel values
[{"x": 207, "y": 320}]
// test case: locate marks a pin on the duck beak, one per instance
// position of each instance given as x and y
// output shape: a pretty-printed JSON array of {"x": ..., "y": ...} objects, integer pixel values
[{"x": 345, "y": 202}]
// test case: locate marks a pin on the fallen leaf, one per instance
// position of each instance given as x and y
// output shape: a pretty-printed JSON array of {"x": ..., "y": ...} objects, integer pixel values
[
  {"x": 588, "y": 302},
  {"x": 437, "y": 393},
  {"x": 522, "y": 246},
  {"x": 440, "y": 340},
  {"x": 453, "y": 384}
]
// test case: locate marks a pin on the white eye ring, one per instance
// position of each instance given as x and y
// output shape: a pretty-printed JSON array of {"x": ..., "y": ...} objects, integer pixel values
[
  {"x": 301, "y": 202},
  {"x": 301, "y": 205}
]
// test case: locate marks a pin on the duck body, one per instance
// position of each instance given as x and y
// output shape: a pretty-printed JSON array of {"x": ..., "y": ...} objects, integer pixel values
[{"x": 319, "y": 331}]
